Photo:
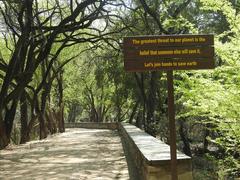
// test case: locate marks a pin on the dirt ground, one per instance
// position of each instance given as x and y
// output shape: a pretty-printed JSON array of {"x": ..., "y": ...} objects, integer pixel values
[{"x": 85, "y": 154}]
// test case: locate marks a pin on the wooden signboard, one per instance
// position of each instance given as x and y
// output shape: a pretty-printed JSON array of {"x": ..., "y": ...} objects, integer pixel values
[{"x": 173, "y": 52}]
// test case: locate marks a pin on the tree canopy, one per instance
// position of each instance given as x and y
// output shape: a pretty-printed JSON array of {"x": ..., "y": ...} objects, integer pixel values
[{"x": 63, "y": 61}]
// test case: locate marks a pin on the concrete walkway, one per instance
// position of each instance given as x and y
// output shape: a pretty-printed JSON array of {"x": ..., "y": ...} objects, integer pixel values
[{"x": 85, "y": 154}]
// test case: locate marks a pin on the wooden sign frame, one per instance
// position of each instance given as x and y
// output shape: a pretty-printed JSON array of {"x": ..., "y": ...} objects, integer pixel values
[{"x": 171, "y": 52}]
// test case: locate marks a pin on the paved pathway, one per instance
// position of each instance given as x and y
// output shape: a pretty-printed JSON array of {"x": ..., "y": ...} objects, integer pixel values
[{"x": 83, "y": 154}]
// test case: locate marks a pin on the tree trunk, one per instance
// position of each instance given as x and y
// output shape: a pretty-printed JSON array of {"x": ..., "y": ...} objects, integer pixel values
[
  {"x": 7, "y": 125},
  {"x": 60, "y": 103},
  {"x": 9, "y": 117},
  {"x": 43, "y": 131},
  {"x": 133, "y": 112},
  {"x": 72, "y": 113},
  {"x": 50, "y": 122},
  {"x": 184, "y": 138},
  {"x": 25, "y": 137},
  {"x": 61, "y": 120},
  {"x": 4, "y": 140},
  {"x": 53, "y": 120},
  {"x": 139, "y": 122},
  {"x": 150, "y": 127}
]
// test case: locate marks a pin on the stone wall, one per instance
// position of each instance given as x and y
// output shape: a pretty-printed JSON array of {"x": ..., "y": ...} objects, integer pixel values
[
  {"x": 90, "y": 125},
  {"x": 151, "y": 156}
]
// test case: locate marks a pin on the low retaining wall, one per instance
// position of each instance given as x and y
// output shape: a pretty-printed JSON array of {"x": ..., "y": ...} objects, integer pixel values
[
  {"x": 151, "y": 156},
  {"x": 90, "y": 125}
]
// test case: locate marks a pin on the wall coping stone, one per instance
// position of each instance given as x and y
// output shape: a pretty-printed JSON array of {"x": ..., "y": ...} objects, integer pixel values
[{"x": 153, "y": 150}]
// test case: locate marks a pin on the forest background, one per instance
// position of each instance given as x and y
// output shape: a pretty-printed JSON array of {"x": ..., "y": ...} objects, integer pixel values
[{"x": 62, "y": 60}]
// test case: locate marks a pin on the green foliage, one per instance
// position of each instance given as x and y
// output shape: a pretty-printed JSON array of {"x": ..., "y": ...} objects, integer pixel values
[
  {"x": 211, "y": 99},
  {"x": 96, "y": 84}
]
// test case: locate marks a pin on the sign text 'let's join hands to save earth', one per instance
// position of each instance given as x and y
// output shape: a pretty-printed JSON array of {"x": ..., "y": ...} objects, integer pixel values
[{"x": 175, "y": 52}]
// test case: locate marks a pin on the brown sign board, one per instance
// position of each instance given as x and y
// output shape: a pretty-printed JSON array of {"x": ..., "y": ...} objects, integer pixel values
[{"x": 173, "y": 52}]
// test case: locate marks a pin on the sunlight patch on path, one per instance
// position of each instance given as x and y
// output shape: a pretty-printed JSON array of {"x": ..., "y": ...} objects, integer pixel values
[{"x": 85, "y": 154}]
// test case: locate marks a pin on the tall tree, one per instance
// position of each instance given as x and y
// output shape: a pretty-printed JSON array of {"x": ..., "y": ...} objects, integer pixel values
[{"x": 35, "y": 27}]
